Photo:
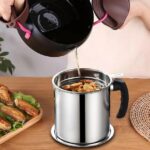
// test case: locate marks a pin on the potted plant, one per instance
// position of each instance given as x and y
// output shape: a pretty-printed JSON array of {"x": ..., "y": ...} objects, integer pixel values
[{"x": 5, "y": 64}]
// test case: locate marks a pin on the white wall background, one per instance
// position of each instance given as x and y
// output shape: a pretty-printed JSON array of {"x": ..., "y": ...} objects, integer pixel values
[{"x": 126, "y": 50}]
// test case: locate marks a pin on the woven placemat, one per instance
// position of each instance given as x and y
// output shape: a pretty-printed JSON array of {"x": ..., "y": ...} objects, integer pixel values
[{"x": 140, "y": 116}]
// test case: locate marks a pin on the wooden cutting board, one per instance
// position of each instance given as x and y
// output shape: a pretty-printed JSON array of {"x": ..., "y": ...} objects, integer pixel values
[{"x": 25, "y": 126}]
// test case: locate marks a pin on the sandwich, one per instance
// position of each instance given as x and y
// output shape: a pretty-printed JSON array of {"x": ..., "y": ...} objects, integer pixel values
[
  {"x": 15, "y": 110},
  {"x": 5, "y": 95},
  {"x": 26, "y": 103}
]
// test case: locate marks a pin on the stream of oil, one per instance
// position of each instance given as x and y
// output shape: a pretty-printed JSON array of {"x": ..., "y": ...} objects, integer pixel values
[{"x": 77, "y": 62}]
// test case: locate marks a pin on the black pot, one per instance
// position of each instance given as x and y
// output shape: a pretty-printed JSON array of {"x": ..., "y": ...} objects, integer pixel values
[{"x": 57, "y": 26}]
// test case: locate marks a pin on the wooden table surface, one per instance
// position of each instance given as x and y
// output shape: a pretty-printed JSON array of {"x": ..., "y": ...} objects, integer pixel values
[{"x": 38, "y": 137}]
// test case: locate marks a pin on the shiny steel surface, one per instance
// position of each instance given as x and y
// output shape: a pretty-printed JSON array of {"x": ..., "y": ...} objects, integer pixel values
[
  {"x": 107, "y": 139},
  {"x": 82, "y": 118}
]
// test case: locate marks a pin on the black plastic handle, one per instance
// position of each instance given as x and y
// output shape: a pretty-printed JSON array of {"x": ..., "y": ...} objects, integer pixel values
[{"x": 120, "y": 85}]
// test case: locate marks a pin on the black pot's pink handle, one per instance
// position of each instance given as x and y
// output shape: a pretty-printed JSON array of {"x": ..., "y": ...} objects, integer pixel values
[
  {"x": 25, "y": 30},
  {"x": 101, "y": 20},
  {"x": 18, "y": 21}
]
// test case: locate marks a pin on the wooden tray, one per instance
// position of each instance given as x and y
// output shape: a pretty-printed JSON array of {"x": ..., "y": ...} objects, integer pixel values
[{"x": 25, "y": 126}]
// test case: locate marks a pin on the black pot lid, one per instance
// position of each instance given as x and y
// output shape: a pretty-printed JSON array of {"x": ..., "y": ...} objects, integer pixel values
[{"x": 117, "y": 11}]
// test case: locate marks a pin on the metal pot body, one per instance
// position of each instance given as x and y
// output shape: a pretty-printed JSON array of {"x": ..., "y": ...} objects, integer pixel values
[{"x": 82, "y": 118}]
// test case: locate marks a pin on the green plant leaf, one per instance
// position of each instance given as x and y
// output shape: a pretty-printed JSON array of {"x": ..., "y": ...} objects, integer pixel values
[
  {"x": 10, "y": 70},
  {"x": 1, "y": 39},
  {"x": 3, "y": 67},
  {"x": 6, "y": 65},
  {"x": 1, "y": 59},
  {"x": 4, "y": 53}
]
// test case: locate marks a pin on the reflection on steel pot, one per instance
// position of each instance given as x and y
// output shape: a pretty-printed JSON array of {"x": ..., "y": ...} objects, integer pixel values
[{"x": 82, "y": 119}]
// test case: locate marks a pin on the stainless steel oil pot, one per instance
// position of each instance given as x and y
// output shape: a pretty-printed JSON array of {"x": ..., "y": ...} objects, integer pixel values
[{"x": 82, "y": 119}]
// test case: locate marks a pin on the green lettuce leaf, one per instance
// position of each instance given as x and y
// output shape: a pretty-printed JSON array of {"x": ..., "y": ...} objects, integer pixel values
[
  {"x": 16, "y": 125},
  {"x": 2, "y": 115},
  {"x": 1, "y": 105},
  {"x": 28, "y": 98},
  {"x": 2, "y": 133},
  {"x": 8, "y": 118}
]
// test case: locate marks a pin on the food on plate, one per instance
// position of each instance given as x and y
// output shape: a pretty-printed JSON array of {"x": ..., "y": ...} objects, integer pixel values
[
  {"x": 28, "y": 98},
  {"x": 28, "y": 108},
  {"x": 12, "y": 112},
  {"x": 5, "y": 96},
  {"x": 4, "y": 125},
  {"x": 16, "y": 108},
  {"x": 84, "y": 85},
  {"x": 26, "y": 103}
]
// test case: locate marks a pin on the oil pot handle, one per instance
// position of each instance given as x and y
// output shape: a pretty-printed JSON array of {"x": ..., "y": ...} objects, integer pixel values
[{"x": 120, "y": 85}]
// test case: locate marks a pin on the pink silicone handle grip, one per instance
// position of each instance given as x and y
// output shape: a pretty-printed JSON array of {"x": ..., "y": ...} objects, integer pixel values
[
  {"x": 25, "y": 30},
  {"x": 101, "y": 20}
]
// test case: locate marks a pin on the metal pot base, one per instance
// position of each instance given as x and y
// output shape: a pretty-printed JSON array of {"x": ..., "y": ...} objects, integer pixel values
[{"x": 107, "y": 139}]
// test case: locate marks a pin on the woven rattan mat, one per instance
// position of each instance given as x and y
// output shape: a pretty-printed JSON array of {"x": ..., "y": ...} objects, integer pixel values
[{"x": 140, "y": 116}]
